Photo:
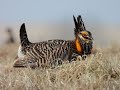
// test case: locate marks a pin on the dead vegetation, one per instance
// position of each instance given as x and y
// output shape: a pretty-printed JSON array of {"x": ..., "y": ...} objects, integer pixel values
[{"x": 97, "y": 72}]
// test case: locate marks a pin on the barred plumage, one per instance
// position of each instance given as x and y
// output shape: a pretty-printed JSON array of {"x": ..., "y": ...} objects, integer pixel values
[{"x": 50, "y": 53}]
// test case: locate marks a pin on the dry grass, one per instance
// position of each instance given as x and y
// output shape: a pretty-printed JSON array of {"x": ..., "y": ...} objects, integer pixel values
[{"x": 97, "y": 72}]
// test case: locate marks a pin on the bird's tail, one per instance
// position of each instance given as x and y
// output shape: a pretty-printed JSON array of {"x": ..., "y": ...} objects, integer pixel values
[{"x": 23, "y": 36}]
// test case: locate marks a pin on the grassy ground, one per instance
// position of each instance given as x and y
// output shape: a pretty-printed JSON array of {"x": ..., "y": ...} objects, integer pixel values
[{"x": 97, "y": 72}]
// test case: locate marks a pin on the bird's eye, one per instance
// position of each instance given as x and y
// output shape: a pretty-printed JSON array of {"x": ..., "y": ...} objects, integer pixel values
[{"x": 84, "y": 35}]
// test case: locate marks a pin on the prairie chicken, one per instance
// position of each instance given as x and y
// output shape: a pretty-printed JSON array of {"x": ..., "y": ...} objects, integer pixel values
[
  {"x": 11, "y": 38},
  {"x": 48, "y": 53}
]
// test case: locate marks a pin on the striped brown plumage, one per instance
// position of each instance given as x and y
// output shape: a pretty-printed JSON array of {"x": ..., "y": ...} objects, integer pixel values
[{"x": 53, "y": 52}]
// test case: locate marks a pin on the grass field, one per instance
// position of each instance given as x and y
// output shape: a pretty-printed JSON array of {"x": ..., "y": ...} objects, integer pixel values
[{"x": 98, "y": 72}]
